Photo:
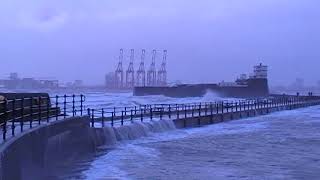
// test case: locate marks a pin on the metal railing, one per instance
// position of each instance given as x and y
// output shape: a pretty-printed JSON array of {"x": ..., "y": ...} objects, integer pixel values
[
  {"x": 121, "y": 115},
  {"x": 28, "y": 112}
]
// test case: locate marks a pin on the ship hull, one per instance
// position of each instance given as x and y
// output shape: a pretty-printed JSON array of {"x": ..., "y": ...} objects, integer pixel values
[{"x": 253, "y": 88}]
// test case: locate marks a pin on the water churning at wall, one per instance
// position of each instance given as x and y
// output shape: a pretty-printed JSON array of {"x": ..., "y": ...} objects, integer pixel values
[{"x": 111, "y": 135}]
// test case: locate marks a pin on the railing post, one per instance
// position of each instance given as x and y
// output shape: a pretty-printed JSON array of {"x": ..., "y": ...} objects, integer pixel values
[
  {"x": 112, "y": 119},
  {"x": 161, "y": 113},
  {"x": 125, "y": 111},
  {"x": 185, "y": 111},
  {"x": 22, "y": 115},
  {"x": 122, "y": 118},
  {"x": 102, "y": 115},
  {"x": 31, "y": 113},
  {"x": 205, "y": 109},
  {"x": 236, "y": 106},
  {"x": 131, "y": 115},
  {"x": 73, "y": 105},
  {"x": 48, "y": 108},
  {"x": 211, "y": 112},
  {"x": 81, "y": 104},
  {"x": 39, "y": 110},
  {"x": 178, "y": 112},
  {"x": 141, "y": 115},
  {"x": 217, "y": 107},
  {"x": 227, "y": 107},
  {"x": 222, "y": 107},
  {"x": 5, "y": 120},
  {"x": 65, "y": 106},
  {"x": 57, "y": 106},
  {"x": 199, "y": 115},
  {"x": 169, "y": 111},
  {"x": 151, "y": 114},
  {"x": 14, "y": 114},
  {"x": 92, "y": 118},
  {"x": 192, "y": 110},
  {"x": 89, "y": 113}
]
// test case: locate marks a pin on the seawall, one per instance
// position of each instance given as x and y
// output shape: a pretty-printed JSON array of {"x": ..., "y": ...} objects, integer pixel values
[
  {"x": 32, "y": 154},
  {"x": 35, "y": 154},
  {"x": 197, "y": 121}
]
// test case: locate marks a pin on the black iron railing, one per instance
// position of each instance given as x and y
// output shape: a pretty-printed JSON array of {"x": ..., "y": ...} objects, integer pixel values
[
  {"x": 119, "y": 116},
  {"x": 19, "y": 114},
  {"x": 28, "y": 112}
]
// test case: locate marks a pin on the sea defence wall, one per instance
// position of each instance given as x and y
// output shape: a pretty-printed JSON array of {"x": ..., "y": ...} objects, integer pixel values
[
  {"x": 31, "y": 154},
  {"x": 36, "y": 153},
  {"x": 196, "y": 121}
]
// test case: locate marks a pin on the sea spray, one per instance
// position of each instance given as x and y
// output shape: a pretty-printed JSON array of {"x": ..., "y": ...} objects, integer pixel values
[{"x": 111, "y": 135}]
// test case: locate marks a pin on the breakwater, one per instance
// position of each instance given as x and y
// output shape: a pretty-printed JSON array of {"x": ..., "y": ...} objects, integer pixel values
[{"x": 30, "y": 154}]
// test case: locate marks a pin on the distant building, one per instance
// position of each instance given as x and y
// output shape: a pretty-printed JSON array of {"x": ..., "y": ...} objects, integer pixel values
[
  {"x": 110, "y": 80},
  {"x": 15, "y": 82}
]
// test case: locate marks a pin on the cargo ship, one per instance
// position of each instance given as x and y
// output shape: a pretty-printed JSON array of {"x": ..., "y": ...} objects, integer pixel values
[{"x": 254, "y": 85}]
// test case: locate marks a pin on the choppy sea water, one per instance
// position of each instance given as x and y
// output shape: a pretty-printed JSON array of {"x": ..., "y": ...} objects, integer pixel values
[
  {"x": 110, "y": 100},
  {"x": 282, "y": 145}
]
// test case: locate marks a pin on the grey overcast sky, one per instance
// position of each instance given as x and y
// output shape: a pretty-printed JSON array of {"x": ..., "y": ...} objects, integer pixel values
[{"x": 207, "y": 40}]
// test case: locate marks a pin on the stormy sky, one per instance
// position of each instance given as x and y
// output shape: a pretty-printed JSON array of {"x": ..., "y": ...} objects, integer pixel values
[{"x": 207, "y": 40}]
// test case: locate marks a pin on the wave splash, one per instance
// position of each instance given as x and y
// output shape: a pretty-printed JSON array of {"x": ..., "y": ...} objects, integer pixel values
[{"x": 112, "y": 135}]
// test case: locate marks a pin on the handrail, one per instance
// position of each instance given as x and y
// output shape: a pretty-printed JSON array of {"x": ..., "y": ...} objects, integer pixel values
[
  {"x": 122, "y": 114},
  {"x": 37, "y": 110}
]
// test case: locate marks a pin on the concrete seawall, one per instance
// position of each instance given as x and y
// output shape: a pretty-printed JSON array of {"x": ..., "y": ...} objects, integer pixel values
[
  {"x": 197, "y": 121},
  {"x": 31, "y": 154},
  {"x": 35, "y": 154}
]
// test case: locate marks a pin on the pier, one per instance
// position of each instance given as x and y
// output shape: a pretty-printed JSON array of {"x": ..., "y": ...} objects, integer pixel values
[{"x": 43, "y": 132}]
